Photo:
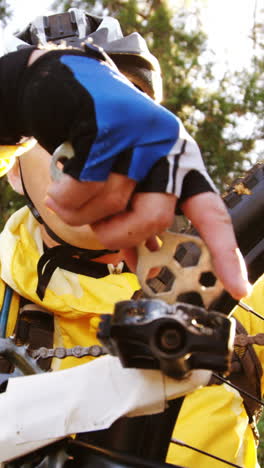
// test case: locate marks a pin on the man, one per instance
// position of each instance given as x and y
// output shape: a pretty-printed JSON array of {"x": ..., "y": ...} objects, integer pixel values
[
  {"x": 75, "y": 299},
  {"x": 122, "y": 168},
  {"x": 77, "y": 292},
  {"x": 56, "y": 267}
]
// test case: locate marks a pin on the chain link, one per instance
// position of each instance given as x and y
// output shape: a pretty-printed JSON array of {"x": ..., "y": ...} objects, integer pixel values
[{"x": 61, "y": 353}]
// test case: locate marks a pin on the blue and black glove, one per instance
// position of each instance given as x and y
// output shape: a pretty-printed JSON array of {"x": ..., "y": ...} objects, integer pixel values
[{"x": 81, "y": 97}]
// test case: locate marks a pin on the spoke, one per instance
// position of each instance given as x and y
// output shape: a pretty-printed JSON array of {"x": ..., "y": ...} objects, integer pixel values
[
  {"x": 238, "y": 389},
  {"x": 249, "y": 309},
  {"x": 182, "y": 444}
]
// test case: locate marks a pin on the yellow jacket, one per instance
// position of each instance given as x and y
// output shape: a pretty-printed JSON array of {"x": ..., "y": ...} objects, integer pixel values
[
  {"x": 75, "y": 300},
  {"x": 212, "y": 418}
]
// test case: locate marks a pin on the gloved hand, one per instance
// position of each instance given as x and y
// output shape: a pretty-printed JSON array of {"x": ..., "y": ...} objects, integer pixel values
[
  {"x": 122, "y": 141},
  {"x": 66, "y": 95}
]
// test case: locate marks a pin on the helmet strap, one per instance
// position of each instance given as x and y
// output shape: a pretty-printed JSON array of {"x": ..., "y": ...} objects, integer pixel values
[{"x": 49, "y": 231}]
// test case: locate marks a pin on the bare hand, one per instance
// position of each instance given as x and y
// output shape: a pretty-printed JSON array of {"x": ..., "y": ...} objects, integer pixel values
[
  {"x": 103, "y": 205},
  {"x": 209, "y": 216}
]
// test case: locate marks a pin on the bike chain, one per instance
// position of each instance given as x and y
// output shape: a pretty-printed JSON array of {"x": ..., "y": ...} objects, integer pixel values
[{"x": 61, "y": 353}]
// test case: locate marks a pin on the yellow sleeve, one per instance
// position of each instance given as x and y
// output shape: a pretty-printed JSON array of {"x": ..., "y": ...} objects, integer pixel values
[{"x": 213, "y": 419}]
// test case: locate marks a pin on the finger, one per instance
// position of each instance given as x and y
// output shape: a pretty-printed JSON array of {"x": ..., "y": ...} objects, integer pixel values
[
  {"x": 210, "y": 217},
  {"x": 100, "y": 202},
  {"x": 69, "y": 193},
  {"x": 150, "y": 214}
]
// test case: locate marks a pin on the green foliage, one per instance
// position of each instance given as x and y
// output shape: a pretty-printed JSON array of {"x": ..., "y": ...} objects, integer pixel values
[
  {"x": 9, "y": 201},
  {"x": 5, "y": 11},
  {"x": 128, "y": 16},
  {"x": 261, "y": 442}
]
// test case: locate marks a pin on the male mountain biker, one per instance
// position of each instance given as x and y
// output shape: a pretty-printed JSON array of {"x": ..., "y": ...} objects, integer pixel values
[
  {"x": 59, "y": 270},
  {"x": 139, "y": 155}
]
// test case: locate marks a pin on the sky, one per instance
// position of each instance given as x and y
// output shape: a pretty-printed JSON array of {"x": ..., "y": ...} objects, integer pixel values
[{"x": 228, "y": 24}]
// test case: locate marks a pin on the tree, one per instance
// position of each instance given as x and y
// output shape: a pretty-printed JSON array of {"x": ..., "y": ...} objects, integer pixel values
[
  {"x": 211, "y": 110},
  {"x": 5, "y": 11},
  {"x": 10, "y": 201}
]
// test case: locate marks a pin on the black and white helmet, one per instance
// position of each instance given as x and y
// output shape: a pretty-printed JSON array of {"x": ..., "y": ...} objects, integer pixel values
[{"x": 130, "y": 53}]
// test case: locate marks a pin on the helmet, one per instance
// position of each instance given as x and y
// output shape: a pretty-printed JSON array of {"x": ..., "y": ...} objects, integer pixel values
[{"x": 130, "y": 53}]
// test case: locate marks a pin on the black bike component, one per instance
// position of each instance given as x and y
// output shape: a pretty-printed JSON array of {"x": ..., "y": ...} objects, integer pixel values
[
  {"x": 75, "y": 453},
  {"x": 52, "y": 456},
  {"x": 135, "y": 317},
  {"x": 87, "y": 455},
  {"x": 123, "y": 435},
  {"x": 177, "y": 338},
  {"x": 21, "y": 363},
  {"x": 54, "y": 460},
  {"x": 19, "y": 357},
  {"x": 245, "y": 203}
]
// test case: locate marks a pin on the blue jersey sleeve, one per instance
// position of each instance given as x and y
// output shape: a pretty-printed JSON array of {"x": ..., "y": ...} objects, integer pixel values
[
  {"x": 126, "y": 120},
  {"x": 112, "y": 126}
]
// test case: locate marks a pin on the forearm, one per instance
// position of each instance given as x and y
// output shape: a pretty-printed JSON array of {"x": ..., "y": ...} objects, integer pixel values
[
  {"x": 67, "y": 96},
  {"x": 112, "y": 126}
]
